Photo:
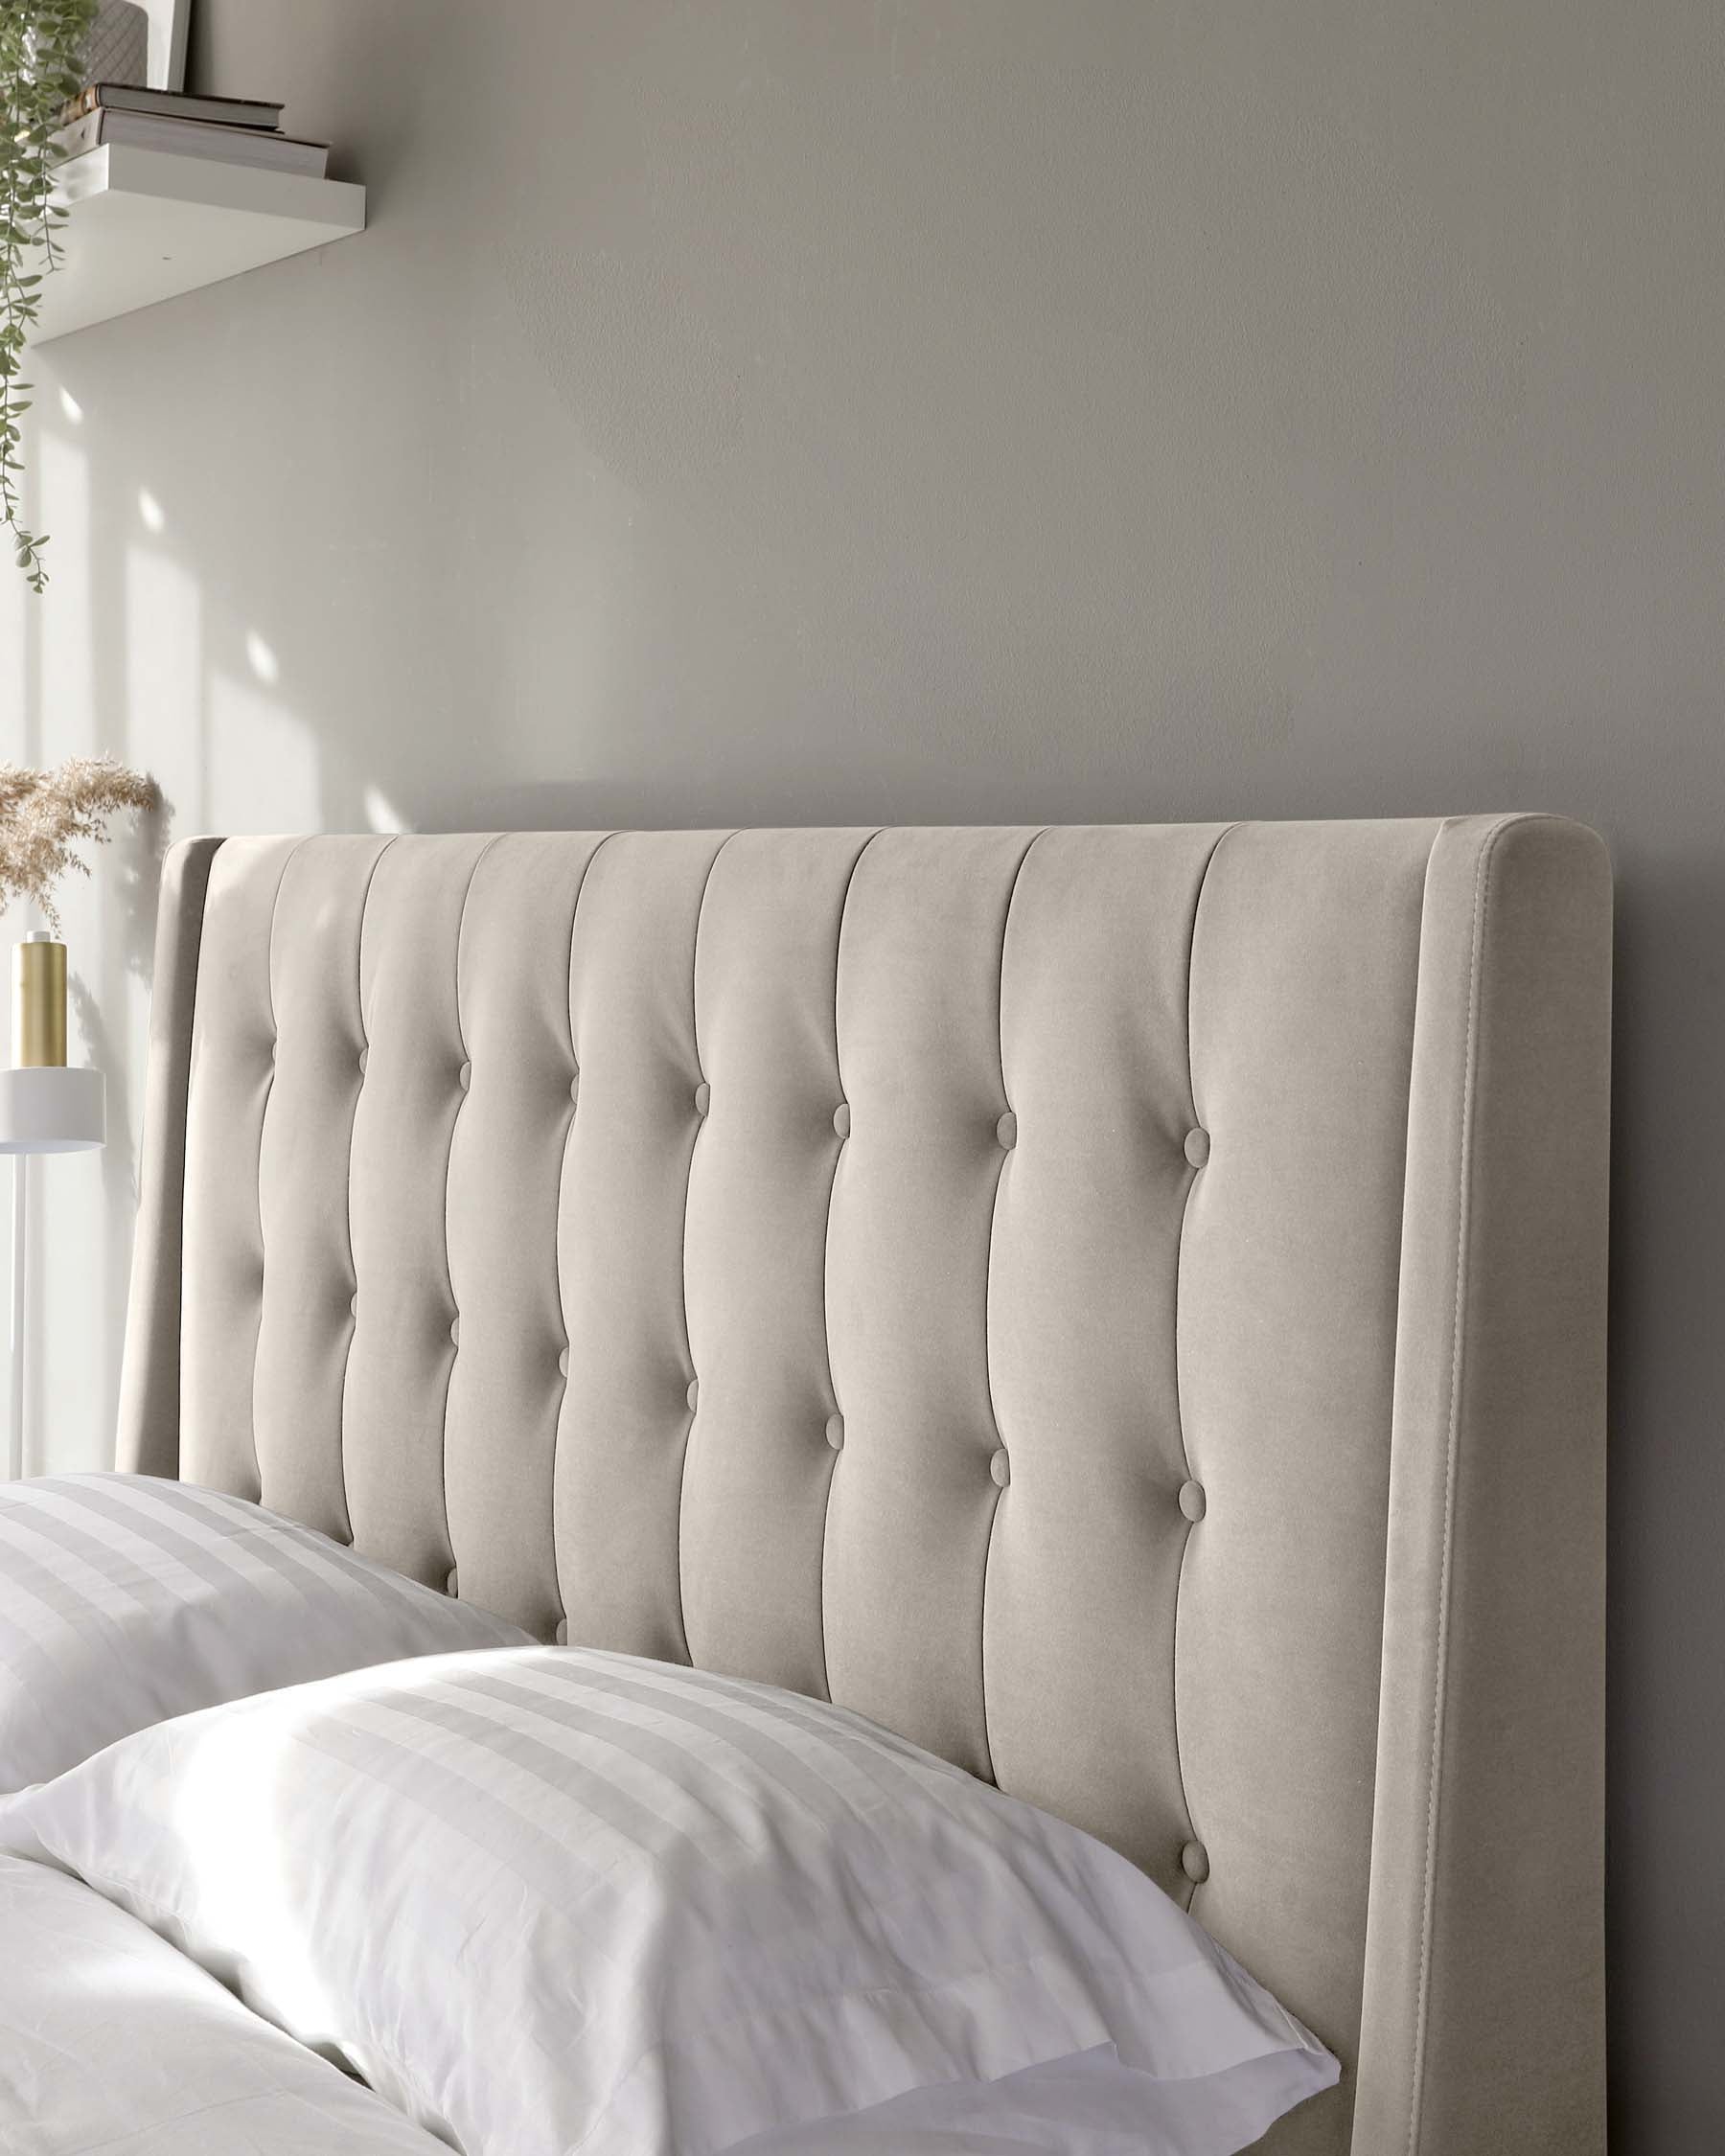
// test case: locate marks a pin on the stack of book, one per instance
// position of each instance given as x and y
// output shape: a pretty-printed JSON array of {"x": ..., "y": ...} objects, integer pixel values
[{"x": 235, "y": 130}]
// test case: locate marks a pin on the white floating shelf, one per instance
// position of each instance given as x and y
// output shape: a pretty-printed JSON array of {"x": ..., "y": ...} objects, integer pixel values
[{"x": 147, "y": 226}]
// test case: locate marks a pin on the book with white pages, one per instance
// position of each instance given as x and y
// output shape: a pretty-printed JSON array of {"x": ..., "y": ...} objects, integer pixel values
[{"x": 194, "y": 138}]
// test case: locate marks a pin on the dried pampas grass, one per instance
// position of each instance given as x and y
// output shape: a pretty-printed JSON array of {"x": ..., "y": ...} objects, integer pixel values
[{"x": 45, "y": 815}]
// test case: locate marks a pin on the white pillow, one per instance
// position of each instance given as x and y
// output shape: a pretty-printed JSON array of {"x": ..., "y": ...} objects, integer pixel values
[
  {"x": 1087, "y": 2105},
  {"x": 125, "y": 1599},
  {"x": 112, "y": 2041},
  {"x": 552, "y": 1899}
]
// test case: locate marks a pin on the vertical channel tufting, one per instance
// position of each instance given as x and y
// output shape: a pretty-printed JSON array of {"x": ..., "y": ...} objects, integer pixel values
[
  {"x": 622, "y": 1227},
  {"x": 1092, "y": 1044},
  {"x": 231, "y": 1069},
  {"x": 404, "y": 1123},
  {"x": 506, "y": 1152},
  {"x": 1303, "y": 1002},
  {"x": 919, "y": 1013},
  {"x": 305, "y": 1178},
  {"x": 1004, "y": 1455},
  {"x": 759, "y": 1464}
]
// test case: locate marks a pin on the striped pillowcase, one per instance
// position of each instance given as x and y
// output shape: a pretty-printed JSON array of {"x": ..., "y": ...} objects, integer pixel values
[
  {"x": 555, "y": 1898},
  {"x": 125, "y": 1599}
]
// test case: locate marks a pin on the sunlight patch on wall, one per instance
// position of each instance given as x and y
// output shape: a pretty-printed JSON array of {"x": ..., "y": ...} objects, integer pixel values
[
  {"x": 155, "y": 518},
  {"x": 381, "y": 812},
  {"x": 261, "y": 660}
]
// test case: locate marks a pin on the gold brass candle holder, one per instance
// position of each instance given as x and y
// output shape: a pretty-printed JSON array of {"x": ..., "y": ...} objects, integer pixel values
[{"x": 39, "y": 1003}]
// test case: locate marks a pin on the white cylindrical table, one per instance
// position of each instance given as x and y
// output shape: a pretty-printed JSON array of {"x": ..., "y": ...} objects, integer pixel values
[{"x": 45, "y": 1109}]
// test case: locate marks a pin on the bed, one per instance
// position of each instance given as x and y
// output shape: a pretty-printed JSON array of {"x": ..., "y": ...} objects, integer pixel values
[{"x": 1122, "y": 1308}]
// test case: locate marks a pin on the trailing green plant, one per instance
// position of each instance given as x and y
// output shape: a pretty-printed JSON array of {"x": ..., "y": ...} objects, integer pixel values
[{"x": 41, "y": 46}]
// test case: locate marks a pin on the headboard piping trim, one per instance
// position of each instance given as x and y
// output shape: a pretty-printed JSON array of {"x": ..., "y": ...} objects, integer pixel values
[
  {"x": 1440, "y": 1658},
  {"x": 1192, "y": 1888},
  {"x": 275, "y": 1037},
  {"x": 826, "y": 1248},
  {"x": 988, "y": 1277},
  {"x": 682, "y": 1269},
  {"x": 442, "y": 1479},
  {"x": 347, "y": 1360},
  {"x": 562, "y": 1171}
]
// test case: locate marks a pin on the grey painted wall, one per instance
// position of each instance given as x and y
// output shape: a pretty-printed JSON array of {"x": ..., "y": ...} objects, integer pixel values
[{"x": 971, "y": 409}]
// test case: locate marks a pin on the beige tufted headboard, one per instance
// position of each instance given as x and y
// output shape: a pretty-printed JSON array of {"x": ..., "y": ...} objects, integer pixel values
[{"x": 1125, "y": 1307}]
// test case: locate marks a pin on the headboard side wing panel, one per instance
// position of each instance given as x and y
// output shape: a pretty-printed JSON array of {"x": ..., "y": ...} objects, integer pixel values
[
  {"x": 148, "y": 1440},
  {"x": 1483, "y": 2023}
]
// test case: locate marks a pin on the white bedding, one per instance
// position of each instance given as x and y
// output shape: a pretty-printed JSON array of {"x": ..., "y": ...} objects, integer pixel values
[
  {"x": 547, "y": 1899},
  {"x": 125, "y": 1599},
  {"x": 112, "y": 2041},
  {"x": 1089, "y": 2105}
]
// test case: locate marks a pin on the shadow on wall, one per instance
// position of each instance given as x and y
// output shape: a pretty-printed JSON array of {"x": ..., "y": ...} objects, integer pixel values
[
  {"x": 1667, "y": 1486},
  {"x": 137, "y": 854}
]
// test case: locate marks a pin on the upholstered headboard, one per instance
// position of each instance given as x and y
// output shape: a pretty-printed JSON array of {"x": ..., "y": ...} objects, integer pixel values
[{"x": 1123, "y": 1307}]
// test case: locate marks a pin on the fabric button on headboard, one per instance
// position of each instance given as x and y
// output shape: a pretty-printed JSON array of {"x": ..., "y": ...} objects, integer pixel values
[{"x": 971, "y": 1275}]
